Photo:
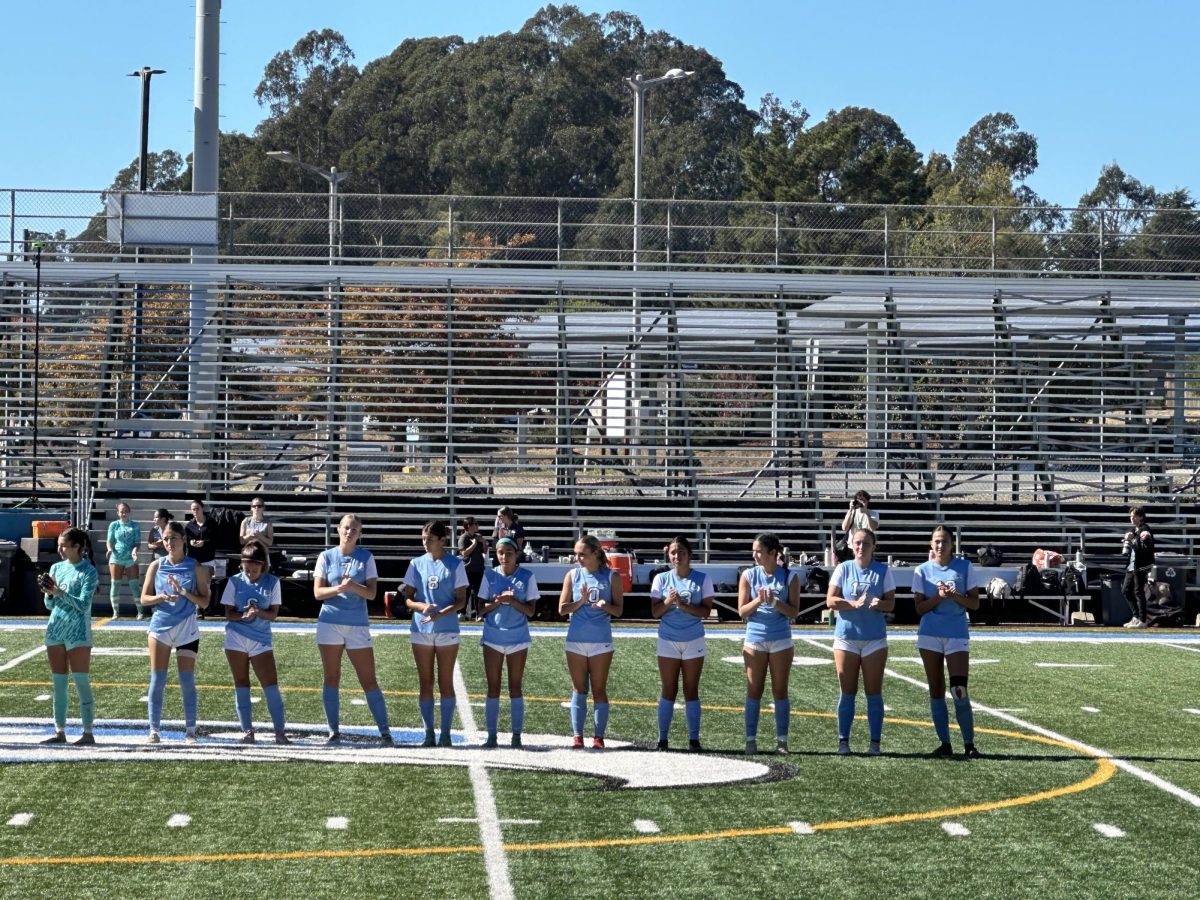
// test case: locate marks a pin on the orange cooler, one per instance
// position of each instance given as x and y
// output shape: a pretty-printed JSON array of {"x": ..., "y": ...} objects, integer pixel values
[
  {"x": 623, "y": 563},
  {"x": 45, "y": 529}
]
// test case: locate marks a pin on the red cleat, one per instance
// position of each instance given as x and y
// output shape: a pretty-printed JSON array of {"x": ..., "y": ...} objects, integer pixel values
[
  {"x": 577, "y": 744},
  {"x": 597, "y": 743}
]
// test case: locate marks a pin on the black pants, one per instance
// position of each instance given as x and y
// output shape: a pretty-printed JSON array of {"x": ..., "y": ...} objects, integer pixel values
[{"x": 1134, "y": 589}]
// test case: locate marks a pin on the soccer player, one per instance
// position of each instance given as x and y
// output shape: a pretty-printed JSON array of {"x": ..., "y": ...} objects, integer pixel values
[
  {"x": 121, "y": 547},
  {"x": 943, "y": 592},
  {"x": 592, "y": 594},
  {"x": 435, "y": 589},
  {"x": 509, "y": 595},
  {"x": 251, "y": 600},
  {"x": 768, "y": 601},
  {"x": 344, "y": 581},
  {"x": 860, "y": 592},
  {"x": 175, "y": 587},
  {"x": 67, "y": 593},
  {"x": 681, "y": 600}
]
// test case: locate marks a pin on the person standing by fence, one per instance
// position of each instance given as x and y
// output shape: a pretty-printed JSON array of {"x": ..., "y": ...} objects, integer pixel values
[{"x": 1138, "y": 550}]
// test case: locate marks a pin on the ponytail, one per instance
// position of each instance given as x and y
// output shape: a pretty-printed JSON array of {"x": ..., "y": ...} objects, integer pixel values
[{"x": 77, "y": 537}]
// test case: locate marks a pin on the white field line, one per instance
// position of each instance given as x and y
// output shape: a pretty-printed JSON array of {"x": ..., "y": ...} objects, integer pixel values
[
  {"x": 17, "y": 660},
  {"x": 337, "y": 823},
  {"x": 1136, "y": 771},
  {"x": 646, "y": 826},
  {"x": 494, "y": 858},
  {"x": 800, "y": 827},
  {"x": 954, "y": 829},
  {"x": 1184, "y": 647},
  {"x": 179, "y": 820},
  {"x": 1109, "y": 831},
  {"x": 20, "y": 820}
]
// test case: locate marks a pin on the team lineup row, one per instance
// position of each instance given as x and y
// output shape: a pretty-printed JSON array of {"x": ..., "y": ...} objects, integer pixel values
[{"x": 435, "y": 587}]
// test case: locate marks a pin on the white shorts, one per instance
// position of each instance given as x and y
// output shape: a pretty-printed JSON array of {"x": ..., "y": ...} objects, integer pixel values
[
  {"x": 437, "y": 639},
  {"x": 355, "y": 637},
  {"x": 693, "y": 649},
  {"x": 947, "y": 646},
  {"x": 584, "y": 648},
  {"x": 239, "y": 643},
  {"x": 509, "y": 649},
  {"x": 186, "y": 632},
  {"x": 769, "y": 646},
  {"x": 860, "y": 648}
]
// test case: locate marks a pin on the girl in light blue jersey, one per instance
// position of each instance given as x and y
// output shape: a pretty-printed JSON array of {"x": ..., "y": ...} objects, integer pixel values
[
  {"x": 252, "y": 599},
  {"x": 435, "y": 589},
  {"x": 681, "y": 600},
  {"x": 592, "y": 595},
  {"x": 769, "y": 601},
  {"x": 344, "y": 582},
  {"x": 943, "y": 590},
  {"x": 509, "y": 595},
  {"x": 860, "y": 592},
  {"x": 121, "y": 547},
  {"x": 175, "y": 587},
  {"x": 67, "y": 592}
]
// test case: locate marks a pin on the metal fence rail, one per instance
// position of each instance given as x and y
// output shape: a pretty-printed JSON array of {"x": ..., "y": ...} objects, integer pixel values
[{"x": 675, "y": 234}]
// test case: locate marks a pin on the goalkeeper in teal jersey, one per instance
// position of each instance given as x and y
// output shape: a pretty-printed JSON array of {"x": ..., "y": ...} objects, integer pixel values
[{"x": 67, "y": 592}]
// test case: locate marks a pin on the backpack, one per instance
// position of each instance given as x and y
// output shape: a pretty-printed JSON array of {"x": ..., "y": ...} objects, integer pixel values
[
  {"x": 1029, "y": 580},
  {"x": 989, "y": 555},
  {"x": 1073, "y": 581}
]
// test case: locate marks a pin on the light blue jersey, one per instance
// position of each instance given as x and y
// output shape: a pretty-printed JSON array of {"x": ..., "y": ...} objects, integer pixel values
[
  {"x": 505, "y": 626},
  {"x": 947, "y": 619},
  {"x": 334, "y": 566},
  {"x": 693, "y": 588},
  {"x": 862, "y": 624},
  {"x": 241, "y": 593},
  {"x": 123, "y": 537},
  {"x": 179, "y": 608},
  {"x": 71, "y": 615},
  {"x": 766, "y": 623},
  {"x": 588, "y": 624},
  {"x": 435, "y": 581}
]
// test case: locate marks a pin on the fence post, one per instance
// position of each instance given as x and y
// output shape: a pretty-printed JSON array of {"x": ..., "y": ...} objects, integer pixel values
[
  {"x": 229, "y": 219},
  {"x": 12, "y": 226},
  {"x": 776, "y": 235},
  {"x": 1100, "y": 217},
  {"x": 559, "y": 238},
  {"x": 450, "y": 228},
  {"x": 993, "y": 241},
  {"x": 886, "y": 238}
]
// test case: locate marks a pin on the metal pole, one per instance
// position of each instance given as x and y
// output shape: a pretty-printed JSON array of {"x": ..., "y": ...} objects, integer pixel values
[
  {"x": 333, "y": 199},
  {"x": 635, "y": 396},
  {"x": 37, "y": 359}
]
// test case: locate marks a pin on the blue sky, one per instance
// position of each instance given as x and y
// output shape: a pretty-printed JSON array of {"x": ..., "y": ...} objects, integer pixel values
[{"x": 1095, "y": 82}]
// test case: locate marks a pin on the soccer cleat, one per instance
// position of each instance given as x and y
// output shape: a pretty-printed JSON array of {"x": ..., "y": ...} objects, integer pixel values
[
  {"x": 843, "y": 747},
  {"x": 430, "y": 740},
  {"x": 1138, "y": 623},
  {"x": 444, "y": 740},
  {"x": 943, "y": 750},
  {"x": 248, "y": 737},
  {"x": 386, "y": 739},
  {"x": 781, "y": 748},
  {"x": 751, "y": 746},
  {"x": 516, "y": 742},
  {"x": 57, "y": 738},
  {"x": 281, "y": 738},
  {"x": 970, "y": 752},
  {"x": 577, "y": 742},
  {"x": 491, "y": 743},
  {"x": 663, "y": 745},
  {"x": 333, "y": 739},
  {"x": 87, "y": 739},
  {"x": 1132, "y": 623},
  {"x": 190, "y": 738},
  {"x": 873, "y": 749},
  {"x": 694, "y": 746},
  {"x": 140, "y": 617},
  {"x": 153, "y": 738},
  {"x": 597, "y": 743}
]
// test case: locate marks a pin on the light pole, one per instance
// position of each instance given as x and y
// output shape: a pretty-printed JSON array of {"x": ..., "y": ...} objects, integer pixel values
[
  {"x": 638, "y": 86},
  {"x": 334, "y": 177},
  {"x": 135, "y": 363}
]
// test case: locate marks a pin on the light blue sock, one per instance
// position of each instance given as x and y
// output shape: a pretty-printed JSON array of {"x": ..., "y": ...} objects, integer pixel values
[
  {"x": 491, "y": 715},
  {"x": 941, "y": 718},
  {"x": 187, "y": 687},
  {"x": 447, "y": 711},
  {"x": 783, "y": 718},
  {"x": 426, "y": 707},
  {"x": 845, "y": 714},
  {"x": 666, "y": 712},
  {"x": 600, "y": 717},
  {"x": 753, "y": 707},
  {"x": 692, "y": 710},
  {"x": 275, "y": 707},
  {"x": 331, "y": 699},
  {"x": 87, "y": 701},
  {"x": 875, "y": 716},
  {"x": 517, "y": 711},
  {"x": 578, "y": 712},
  {"x": 158, "y": 686},
  {"x": 965, "y": 716},
  {"x": 241, "y": 703},
  {"x": 59, "y": 699},
  {"x": 378, "y": 707}
]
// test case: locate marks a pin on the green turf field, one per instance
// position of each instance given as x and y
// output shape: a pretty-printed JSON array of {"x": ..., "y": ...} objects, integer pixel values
[{"x": 1040, "y": 815}]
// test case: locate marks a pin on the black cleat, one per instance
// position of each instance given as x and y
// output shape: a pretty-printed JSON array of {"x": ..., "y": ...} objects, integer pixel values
[
  {"x": 943, "y": 750},
  {"x": 662, "y": 745},
  {"x": 970, "y": 752}
]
